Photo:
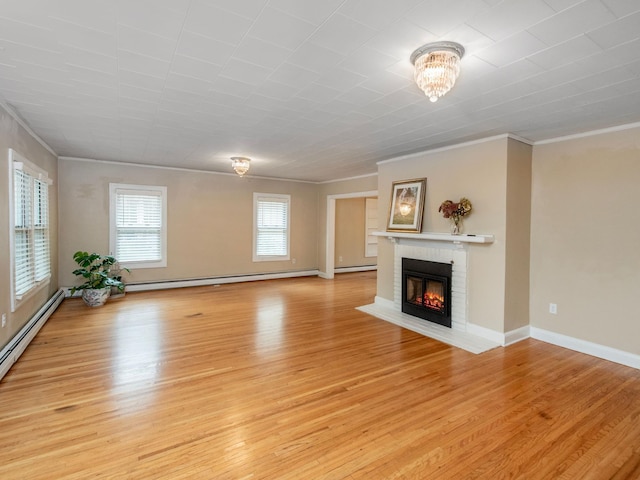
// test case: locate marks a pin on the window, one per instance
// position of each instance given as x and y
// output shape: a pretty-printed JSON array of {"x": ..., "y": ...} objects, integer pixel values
[
  {"x": 31, "y": 261},
  {"x": 271, "y": 227},
  {"x": 138, "y": 217}
]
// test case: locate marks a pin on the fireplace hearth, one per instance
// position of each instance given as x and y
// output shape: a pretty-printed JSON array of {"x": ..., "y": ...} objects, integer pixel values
[{"x": 426, "y": 290}]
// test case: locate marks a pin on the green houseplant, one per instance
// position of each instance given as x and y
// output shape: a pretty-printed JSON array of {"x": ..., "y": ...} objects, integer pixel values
[{"x": 95, "y": 269}]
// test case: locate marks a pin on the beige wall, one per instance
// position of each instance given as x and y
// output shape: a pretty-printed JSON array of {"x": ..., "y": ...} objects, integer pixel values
[
  {"x": 479, "y": 172},
  {"x": 585, "y": 238},
  {"x": 13, "y": 135},
  {"x": 516, "y": 308},
  {"x": 341, "y": 187},
  {"x": 351, "y": 233},
  {"x": 209, "y": 217}
]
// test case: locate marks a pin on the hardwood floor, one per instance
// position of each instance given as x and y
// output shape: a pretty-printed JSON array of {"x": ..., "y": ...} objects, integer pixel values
[{"x": 284, "y": 379}]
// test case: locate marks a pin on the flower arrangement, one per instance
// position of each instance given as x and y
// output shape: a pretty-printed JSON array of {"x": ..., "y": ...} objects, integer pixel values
[{"x": 455, "y": 211}]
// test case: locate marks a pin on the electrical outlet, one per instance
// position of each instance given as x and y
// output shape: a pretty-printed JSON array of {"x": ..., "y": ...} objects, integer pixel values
[
  {"x": 293, "y": 260},
  {"x": 4, "y": 320},
  {"x": 340, "y": 259},
  {"x": 553, "y": 308}
]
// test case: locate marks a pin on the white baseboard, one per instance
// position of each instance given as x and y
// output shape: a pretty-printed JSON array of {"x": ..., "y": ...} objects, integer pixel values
[
  {"x": 366, "y": 268},
  {"x": 21, "y": 340},
  {"x": 590, "y": 348},
  {"x": 199, "y": 282},
  {"x": 487, "y": 333},
  {"x": 517, "y": 335}
]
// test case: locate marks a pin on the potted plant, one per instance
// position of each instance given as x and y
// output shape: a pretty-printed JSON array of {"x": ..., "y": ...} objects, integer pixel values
[{"x": 96, "y": 270}]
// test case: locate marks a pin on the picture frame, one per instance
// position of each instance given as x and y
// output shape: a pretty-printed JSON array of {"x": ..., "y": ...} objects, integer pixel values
[{"x": 407, "y": 205}]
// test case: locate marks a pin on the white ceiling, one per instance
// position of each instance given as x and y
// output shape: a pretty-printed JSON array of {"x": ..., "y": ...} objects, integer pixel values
[{"x": 309, "y": 89}]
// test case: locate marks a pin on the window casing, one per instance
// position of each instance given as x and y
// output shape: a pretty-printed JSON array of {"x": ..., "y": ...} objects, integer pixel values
[
  {"x": 29, "y": 228},
  {"x": 271, "y": 230},
  {"x": 138, "y": 219}
]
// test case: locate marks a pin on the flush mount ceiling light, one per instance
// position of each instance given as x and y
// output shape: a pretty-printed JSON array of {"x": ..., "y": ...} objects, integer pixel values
[
  {"x": 240, "y": 165},
  {"x": 437, "y": 66}
]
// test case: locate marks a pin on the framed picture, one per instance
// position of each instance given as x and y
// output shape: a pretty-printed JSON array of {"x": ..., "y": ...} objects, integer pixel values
[{"x": 407, "y": 205}]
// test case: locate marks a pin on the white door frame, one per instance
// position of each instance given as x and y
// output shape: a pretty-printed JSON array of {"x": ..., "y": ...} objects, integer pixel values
[{"x": 329, "y": 266}]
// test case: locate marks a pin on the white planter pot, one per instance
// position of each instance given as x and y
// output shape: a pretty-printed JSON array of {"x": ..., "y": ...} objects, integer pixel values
[{"x": 96, "y": 297}]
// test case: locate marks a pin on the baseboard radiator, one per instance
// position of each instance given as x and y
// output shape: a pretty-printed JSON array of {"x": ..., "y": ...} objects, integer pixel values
[{"x": 18, "y": 344}]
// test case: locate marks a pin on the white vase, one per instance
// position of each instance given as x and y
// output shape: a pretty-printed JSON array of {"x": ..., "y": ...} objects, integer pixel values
[{"x": 95, "y": 297}]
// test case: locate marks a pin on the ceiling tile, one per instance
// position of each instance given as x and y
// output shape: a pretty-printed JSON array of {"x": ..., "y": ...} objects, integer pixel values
[
  {"x": 571, "y": 50},
  {"x": 400, "y": 39},
  {"x": 510, "y": 17},
  {"x": 89, "y": 14},
  {"x": 163, "y": 18},
  {"x": 617, "y": 33},
  {"x": 247, "y": 8},
  {"x": 293, "y": 76},
  {"x": 245, "y": 72},
  {"x": 312, "y": 12},
  {"x": 89, "y": 60},
  {"x": 256, "y": 51},
  {"x": 315, "y": 58},
  {"x": 145, "y": 43},
  {"x": 620, "y": 8},
  {"x": 142, "y": 64},
  {"x": 378, "y": 14},
  {"x": 203, "y": 48},
  {"x": 195, "y": 68},
  {"x": 511, "y": 49},
  {"x": 341, "y": 79},
  {"x": 279, "y": 28},
  {"x": 207, "y": 20},
  {"x": 440, "y": 21},
  {"x": 581, "y": 18},
  {"x": 342, "y": 34},
  {"x": 366, "y": 61}
]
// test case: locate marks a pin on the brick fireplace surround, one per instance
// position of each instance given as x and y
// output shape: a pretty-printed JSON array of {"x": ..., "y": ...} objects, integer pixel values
[{"x": 435, "y": 248}]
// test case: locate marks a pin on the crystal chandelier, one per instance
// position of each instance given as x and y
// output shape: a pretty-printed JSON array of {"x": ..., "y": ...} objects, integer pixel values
[
  {"x": 437, "y": 66},
  {"x": 240, "y": 165}
]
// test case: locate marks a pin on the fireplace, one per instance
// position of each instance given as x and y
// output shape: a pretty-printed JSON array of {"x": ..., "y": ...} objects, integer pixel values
[{"x": 426, "y": 290}]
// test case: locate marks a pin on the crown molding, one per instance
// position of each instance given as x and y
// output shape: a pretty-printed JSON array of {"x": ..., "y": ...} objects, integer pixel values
[{"x": 591, "y": 133}]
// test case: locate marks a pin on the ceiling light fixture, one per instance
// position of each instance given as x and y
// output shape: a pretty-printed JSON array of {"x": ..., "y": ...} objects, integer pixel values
[
  {"x": 437, "y": 66},
  {"x": 241, "y": 165}
]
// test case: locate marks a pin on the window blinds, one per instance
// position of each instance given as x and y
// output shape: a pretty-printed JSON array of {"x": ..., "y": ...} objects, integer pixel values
[
  {"x": 31, "y": 257},
  {"x": 24, "y": 255},
  {"x": 138, "y": 226},
  {"x": 272, "y": 222}
]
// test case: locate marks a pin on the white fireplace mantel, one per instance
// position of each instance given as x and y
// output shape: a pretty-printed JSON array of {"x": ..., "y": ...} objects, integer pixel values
[{"x": 433, "y": 236}]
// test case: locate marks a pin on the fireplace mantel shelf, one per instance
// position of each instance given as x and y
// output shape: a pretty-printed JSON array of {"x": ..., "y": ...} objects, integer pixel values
[{"x": 440, "y": 237}]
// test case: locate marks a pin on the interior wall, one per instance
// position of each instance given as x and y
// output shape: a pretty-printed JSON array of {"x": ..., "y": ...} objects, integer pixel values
[
  {"x": 351, "y": 233},
  {"x": 368, "y": 183},
  {"x": 585, "y": 238},
  {"x": 477, "y": 171},
  {"x": 209, "y": 216},
  {"x": 518, "y": 235},
  {"x": 13, "y": 135}
]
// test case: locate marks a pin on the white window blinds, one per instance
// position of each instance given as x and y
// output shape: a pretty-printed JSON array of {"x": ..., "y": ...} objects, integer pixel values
[
  {"x": 138, "y": 225},
  {"x": 23, "y": 234},
  {"x": 31, "y": 263},
  {"x": 271, "y": 229}
]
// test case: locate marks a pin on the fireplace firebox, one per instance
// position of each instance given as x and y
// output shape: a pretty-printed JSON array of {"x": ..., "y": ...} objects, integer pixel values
[{"x": 426, "y": 290}]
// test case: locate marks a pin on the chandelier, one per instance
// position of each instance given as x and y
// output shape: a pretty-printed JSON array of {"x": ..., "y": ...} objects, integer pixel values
[
  {"x": 437, "y": 66},
  {"x": 240, "y": 165}
]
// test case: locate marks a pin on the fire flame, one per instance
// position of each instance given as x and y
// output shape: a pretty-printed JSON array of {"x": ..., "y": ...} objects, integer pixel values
[{"x": 431, "y": 300}]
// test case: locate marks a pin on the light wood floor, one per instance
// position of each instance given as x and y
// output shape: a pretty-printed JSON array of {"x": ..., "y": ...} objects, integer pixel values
[{"x": 284, "y": 379}]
